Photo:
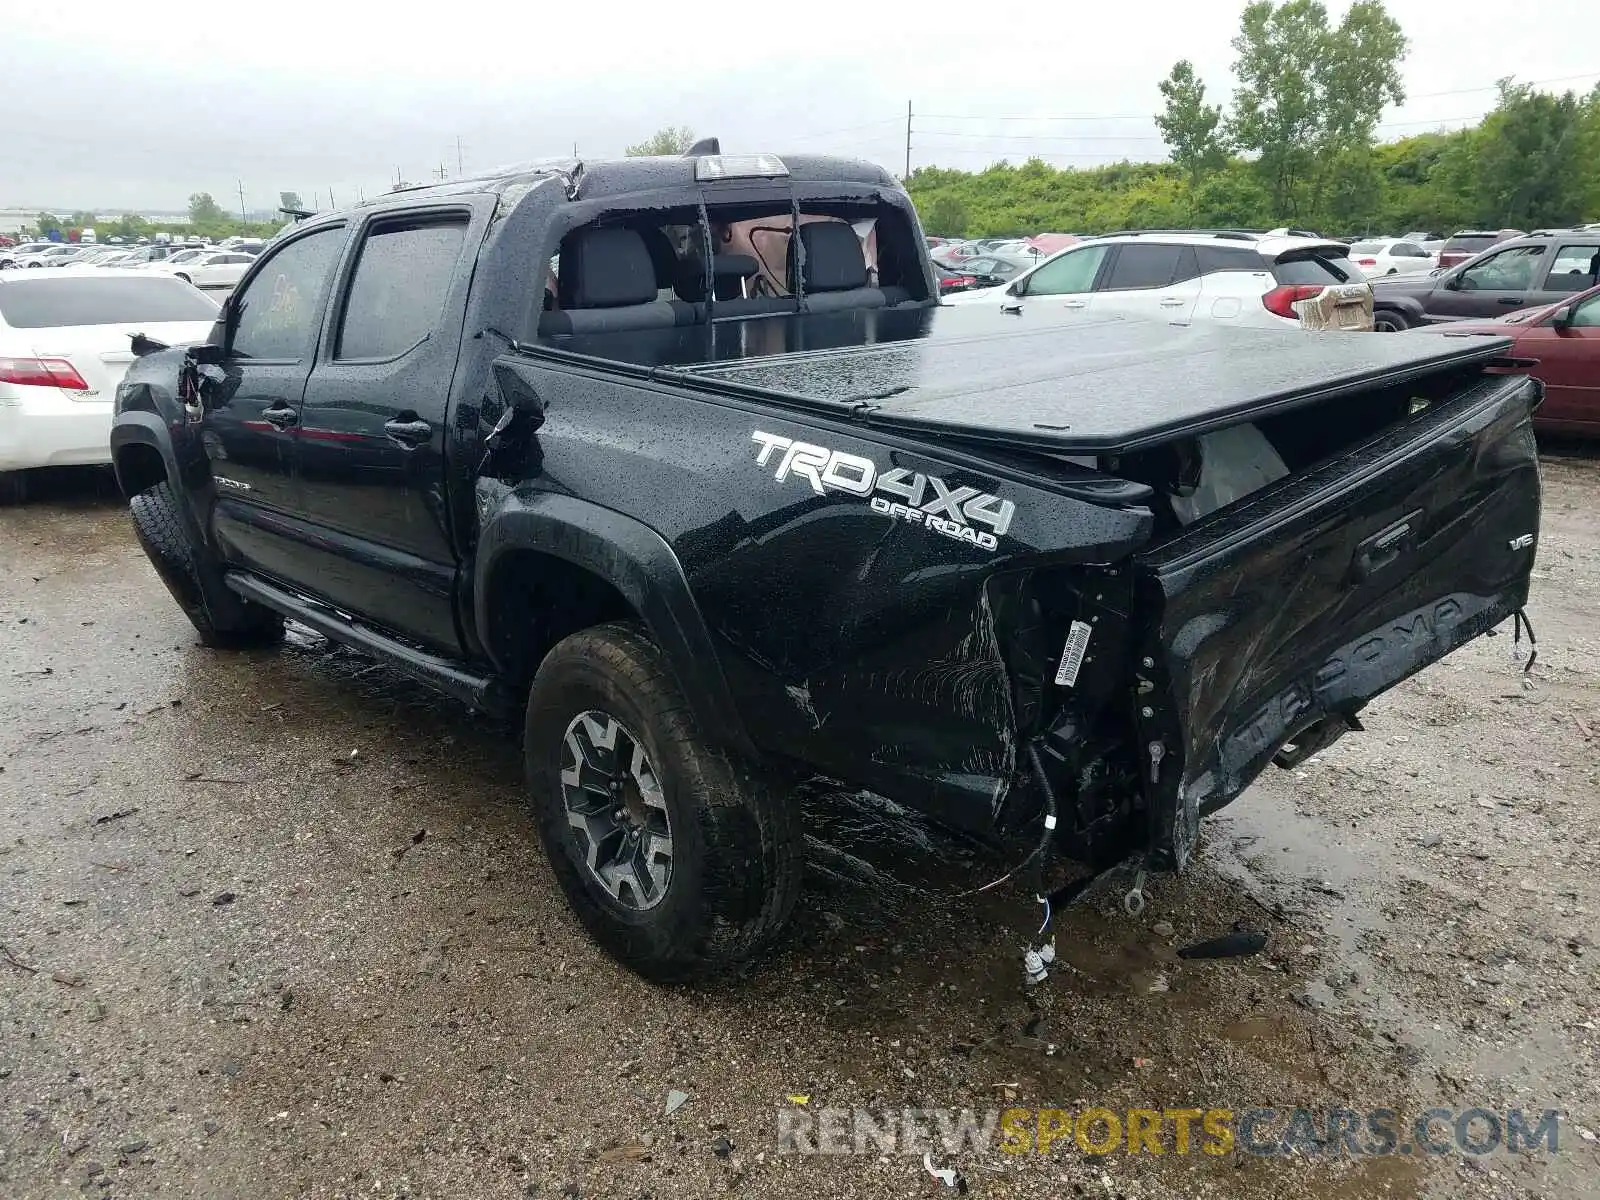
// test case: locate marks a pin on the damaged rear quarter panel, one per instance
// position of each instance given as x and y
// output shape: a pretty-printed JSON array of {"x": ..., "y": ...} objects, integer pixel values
[{"x": 858, "y": 643}]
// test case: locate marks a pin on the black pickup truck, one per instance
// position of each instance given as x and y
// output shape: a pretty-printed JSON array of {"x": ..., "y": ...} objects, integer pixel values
[{"x": 680, "y": 460}]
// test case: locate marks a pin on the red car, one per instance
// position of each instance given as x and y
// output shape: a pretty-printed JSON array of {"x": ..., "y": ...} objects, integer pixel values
[{"x": 1565, "y": 338}]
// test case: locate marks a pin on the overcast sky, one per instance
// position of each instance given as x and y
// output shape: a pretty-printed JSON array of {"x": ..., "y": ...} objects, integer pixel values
[{"x": 339, "y": 95}]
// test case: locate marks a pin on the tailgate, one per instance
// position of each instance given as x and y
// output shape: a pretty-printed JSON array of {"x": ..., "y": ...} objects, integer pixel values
[{"x": 1323, "y": 591}]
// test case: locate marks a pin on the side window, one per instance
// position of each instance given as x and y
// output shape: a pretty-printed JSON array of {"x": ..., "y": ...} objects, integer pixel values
[
  {"x": 278, "y": 310},
  {"x": 1508, "y": 271},
  {"x": 1073, "y": 272},
  {"x": 399, "y": 288},
  {"x": 1574, "y": 269},
  {"x": 1228, "y": 258},
  {"x": 1407, "y": 250},
  {"x": 1587, "y": 314},
  {"x": 1188, "y": 266},
  {"x": 1139, "y": 265}
]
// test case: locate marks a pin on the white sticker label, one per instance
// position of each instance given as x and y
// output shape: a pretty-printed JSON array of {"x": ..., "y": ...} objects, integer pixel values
[{"x": 1072, "y": 656}]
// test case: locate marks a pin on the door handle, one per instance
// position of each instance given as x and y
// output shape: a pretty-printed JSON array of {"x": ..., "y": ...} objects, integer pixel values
[
  {"x": 1509, "y": 300},
  {"x": 1076, "y": 304},
  {"x": 408, "y": 433},
  {"x": 280, "y": 416},
  {"x": 1172, "y": 302},
  {"x": 1385, "y": 546}
]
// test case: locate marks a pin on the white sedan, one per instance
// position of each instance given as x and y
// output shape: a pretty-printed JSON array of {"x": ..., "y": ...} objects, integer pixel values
[
  {"x": 1399, "y": 257},
  {"x": 64, "y": 348},
  {"x": 206, "y": 269}
]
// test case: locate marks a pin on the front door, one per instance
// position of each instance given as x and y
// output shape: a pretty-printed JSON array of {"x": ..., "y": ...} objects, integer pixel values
[
  {"x": 371, "y": 445},
  {"x": 1569, "y": 364},
  {"x": 1066, "y": 281},
  {"x": 249, "y": 425},
  {"x": 1493, "y": 286}
]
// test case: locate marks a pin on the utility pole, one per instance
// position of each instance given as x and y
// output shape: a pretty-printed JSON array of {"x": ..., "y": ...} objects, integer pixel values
[
  {"x": 332, "y": 203},
  {"x": 907, "y": 175},
  {"x": 461, "y": 162},
  {"x": 242, "y": 215}
]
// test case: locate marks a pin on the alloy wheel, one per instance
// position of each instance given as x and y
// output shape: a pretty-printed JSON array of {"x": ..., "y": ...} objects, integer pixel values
[{"x": 616, "y": 809}]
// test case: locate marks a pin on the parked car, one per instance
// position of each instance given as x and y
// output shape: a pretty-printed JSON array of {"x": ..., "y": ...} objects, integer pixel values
[
  {"x": 63, "y": 350},
  {"x": 208, "y": 269},
  {"x": 1565, "y": 338},
  {"x": 950, "y": 282},
  {"x": 1524, "y": 272},
  {"x": 704, "y": 546},
  {"x": 1386, "y": 257},
  {"x": 53, "y": 255},
  {"x": 1198, "y": 275},
  {"x": 24, "y": 255},
  {"x": 988, "y": 270},
  {"x": 1468, "y": 243},
  {"x": 1422, "y": 235}
]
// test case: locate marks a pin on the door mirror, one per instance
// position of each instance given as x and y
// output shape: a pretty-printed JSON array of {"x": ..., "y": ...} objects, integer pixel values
[
  {"x": 1019, "y": 288},
  {"x": 1561, "y": 319}
]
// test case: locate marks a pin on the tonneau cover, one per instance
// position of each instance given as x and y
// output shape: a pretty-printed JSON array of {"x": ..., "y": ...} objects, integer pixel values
[{"x": 1060, "y": 381}]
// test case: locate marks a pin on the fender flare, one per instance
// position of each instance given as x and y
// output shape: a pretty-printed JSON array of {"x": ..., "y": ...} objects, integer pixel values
[
  {"x": 641, "y": 565},
  {"x": 1408, "y": 306},
  {"x": 132, "y": 428}
]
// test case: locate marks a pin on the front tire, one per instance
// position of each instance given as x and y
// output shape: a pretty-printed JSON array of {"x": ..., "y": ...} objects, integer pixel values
[
  {"x": 680, "y": 861},
  {"x": 185, "y": 278},
  {"x": 194, "y": 577},
  {"x": 1385, "y": 321}
]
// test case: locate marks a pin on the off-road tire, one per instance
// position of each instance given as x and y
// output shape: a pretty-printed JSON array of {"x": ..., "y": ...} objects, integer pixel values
[
  {"x": 736, "y": 844},
  {"x": 1387, "y": 321},
  {"x": 13, "y": 487},
  {"x": 194, "y": 577}
]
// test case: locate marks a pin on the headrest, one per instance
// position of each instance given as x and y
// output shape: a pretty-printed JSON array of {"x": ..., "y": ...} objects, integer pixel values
[
  {"x": 834, "y": 262},
  {"x": 726, "y": 269},
  {"x": 606, "y": 268}
]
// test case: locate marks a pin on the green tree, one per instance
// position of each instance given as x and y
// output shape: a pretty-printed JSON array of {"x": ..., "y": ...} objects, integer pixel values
[
  {"x": 664, "y": 141},
  {"x": 945, "y": 216},
  {"x": 1190, "y": 126},
  {"x": 204, "y": 211},
  {"x": 1309, "y": 91},
  {"x": 46, "y": 222},
  {"x": 1529, "y": 165},
  {"x": 290, "y": 200}
]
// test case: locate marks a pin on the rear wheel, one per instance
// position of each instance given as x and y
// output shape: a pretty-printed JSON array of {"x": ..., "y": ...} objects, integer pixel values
[
  {"x": 194, "y": 577},
  {"x": 1386, "y": 321},
  {"x": 680, "y": 861}
]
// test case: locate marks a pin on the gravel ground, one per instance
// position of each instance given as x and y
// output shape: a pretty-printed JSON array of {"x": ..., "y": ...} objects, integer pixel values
[{"x": 275, "y": 924}]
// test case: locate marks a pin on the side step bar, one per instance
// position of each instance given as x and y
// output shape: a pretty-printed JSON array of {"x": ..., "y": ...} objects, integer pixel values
[{"x": 483, "y": 692}]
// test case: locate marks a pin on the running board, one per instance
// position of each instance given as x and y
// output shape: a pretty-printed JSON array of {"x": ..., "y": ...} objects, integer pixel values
[{"x": 483, "y": 692}]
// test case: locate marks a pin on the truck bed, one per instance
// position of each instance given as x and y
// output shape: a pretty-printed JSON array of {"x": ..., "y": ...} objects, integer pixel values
[{"x": 1062, "y": 382}]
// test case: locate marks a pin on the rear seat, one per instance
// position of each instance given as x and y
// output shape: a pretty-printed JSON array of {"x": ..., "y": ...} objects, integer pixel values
[
  {"x": 609, "y": 282},
  {"x": 834, "y": 272}
]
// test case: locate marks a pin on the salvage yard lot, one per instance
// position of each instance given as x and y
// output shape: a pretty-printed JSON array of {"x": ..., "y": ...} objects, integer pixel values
[{"x": 275, "y": 924}]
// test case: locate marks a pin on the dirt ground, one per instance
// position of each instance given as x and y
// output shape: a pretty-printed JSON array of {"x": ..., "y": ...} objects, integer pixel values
[{"x": 275, "y": 924}]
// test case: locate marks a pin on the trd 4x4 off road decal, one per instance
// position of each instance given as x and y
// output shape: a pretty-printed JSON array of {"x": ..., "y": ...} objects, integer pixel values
[{"x": 917, "y": 498}]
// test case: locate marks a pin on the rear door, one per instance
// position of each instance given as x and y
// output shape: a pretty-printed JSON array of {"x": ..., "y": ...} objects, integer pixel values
[
  {"x": 1274, "y": 621},
  {"x": 372, "y": 440},
  {"x": 249, "y": 429},
  {"x": 1151, "y": 279}
]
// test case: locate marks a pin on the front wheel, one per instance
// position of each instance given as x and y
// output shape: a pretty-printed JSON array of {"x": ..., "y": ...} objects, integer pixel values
[
  {"x": 1385, "y": 321},
  {"x": 194, "y": 577},
  {"x": 680, "y": 861},
  {"x": 184, "y": 277}
]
